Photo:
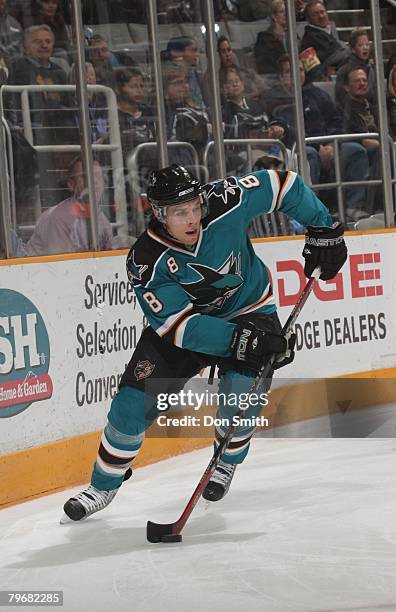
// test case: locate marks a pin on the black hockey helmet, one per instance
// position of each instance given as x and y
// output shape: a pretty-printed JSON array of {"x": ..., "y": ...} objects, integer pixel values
[{"x": 174, "y": 185}]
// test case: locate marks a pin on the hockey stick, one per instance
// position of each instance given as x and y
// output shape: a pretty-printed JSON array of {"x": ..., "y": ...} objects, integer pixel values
[{"x": 171, "y": 532}]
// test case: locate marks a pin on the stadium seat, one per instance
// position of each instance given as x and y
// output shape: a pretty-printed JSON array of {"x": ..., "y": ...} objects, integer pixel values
[
  {"x": 166, "y": 31},
  {"x": 117, "y": 35},
  {"x": 327, "y": 86},
  {"x": 138, "y": 32},
  {"x": 349, "y": 17},
  {"x": 243, "y": 34}
]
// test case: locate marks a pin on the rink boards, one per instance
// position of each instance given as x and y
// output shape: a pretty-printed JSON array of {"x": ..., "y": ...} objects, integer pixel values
[{"x": 68, "y": 325}]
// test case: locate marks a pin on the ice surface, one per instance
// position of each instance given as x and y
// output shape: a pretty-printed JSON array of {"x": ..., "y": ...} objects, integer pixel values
[{"x": 308, "y": 525}]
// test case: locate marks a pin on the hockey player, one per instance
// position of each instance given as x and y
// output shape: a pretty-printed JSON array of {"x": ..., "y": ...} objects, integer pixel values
[{"x": 208, "y": 299}]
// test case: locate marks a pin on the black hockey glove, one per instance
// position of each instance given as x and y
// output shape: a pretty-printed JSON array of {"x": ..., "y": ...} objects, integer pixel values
[
  {"x": 251, "y": 348},
  {"x": 324, "y": 247}
]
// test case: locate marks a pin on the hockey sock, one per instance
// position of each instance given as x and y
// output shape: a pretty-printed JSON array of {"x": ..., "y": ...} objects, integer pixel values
[{"x": 121, "y": 440}]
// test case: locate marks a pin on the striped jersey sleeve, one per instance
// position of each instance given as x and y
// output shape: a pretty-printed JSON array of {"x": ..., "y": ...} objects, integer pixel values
[{"x": 267, "y": 191}]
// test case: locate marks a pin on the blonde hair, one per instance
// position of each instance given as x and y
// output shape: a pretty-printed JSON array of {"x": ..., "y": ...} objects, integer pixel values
[
  {"x": 277, "y": 5},
  {"x": 72, "y": 73}
]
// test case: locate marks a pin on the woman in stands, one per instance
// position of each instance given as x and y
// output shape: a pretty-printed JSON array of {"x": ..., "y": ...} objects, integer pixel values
[{"x": 272, "y": 43}]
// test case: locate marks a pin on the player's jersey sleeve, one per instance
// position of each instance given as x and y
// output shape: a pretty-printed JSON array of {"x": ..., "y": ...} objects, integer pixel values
[
  {"x": 267, "y": 191},
  {"x": 170, "y": 311}
]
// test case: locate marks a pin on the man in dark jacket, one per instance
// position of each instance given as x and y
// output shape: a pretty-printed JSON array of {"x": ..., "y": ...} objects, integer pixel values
[
  {"x": 47, "y": 109},
  {"x": 322, "y": 35},
  {"x": 321, "y": 118},
  {"x": 361, "y": 116},
  {"x": 36, "y": 68}
]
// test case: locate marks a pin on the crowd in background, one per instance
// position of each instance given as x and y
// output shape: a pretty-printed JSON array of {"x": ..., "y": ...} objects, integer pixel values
[{"x": 257, "y": 97}]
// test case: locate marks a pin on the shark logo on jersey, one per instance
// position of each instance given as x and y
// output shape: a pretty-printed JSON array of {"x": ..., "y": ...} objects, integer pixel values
[
  {"x": 228, "y": 190},
  {"x": 216, "y": 286},
  {"x": 134, "y": 271}
]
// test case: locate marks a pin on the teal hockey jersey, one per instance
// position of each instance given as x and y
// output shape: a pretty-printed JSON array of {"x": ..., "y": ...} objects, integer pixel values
[{"x": 189, "y": 296}]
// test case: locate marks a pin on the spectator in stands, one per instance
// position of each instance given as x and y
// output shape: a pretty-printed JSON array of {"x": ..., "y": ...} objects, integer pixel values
[
  {"x": 70, "y": 129},
  {"x": 243, "y": 118},
  {"x": 226, "y": 10},
  {"x": 183, "y": 51},
  {"x": 137, "y": 126},
  {"x": 64, "y": 227},
  {"x": 360, "y": 116},
  {"x": 47, "y": 109},
  {"x": 391, "y": 102},
  {"x": 49, "y": 12},
  {"x": 137, "y": 120},
  {"x": 281, "y": 93},
  {"x": 253, "y": 83},
  {"x": 272, "y": 43},
  {"x": 321, "y": 35},
  {"x": 321, "y": 118},
  {"x": 251, "y": 10},
  {"x": 96, "y": 108},
  {"x": 10, "y": 35},
  {"x": 226, "y": 54},
  {"x": 174, "y": 51},
  {"x": 36, "y": 68},
  {"x": 359, "y": 43},
  {"x": 185, "y": 122},
  {"x": 105, "y": 62},
  {"x": 300, "y": 10}
]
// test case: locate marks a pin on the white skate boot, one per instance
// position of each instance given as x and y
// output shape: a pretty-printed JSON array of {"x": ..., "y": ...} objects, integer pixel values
[
  {"x": 89, "y": 501},
  {"x": 220, "y": 482}
]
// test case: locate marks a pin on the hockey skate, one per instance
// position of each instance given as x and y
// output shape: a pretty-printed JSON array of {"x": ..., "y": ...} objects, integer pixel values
[
  {"x": 220, "y": 482},
  {"x": 88, "y": 502}
]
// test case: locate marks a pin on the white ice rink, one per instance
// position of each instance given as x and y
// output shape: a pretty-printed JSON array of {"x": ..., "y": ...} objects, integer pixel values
[{"x": 308, "y": 525}]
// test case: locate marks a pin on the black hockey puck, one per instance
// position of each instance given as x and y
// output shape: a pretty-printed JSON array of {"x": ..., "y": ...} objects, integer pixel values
[{"x": 172, "y": 537}]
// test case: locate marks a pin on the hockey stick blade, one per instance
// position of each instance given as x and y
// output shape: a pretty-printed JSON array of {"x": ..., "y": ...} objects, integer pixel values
[{"x": 155, "y": 531}]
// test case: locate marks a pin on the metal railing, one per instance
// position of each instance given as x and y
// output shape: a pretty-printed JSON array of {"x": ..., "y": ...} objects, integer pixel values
[
  {"x": 262, "y": 143},
  {"x": 114, "y": 146},
  {"x": 339, "y": 184}
]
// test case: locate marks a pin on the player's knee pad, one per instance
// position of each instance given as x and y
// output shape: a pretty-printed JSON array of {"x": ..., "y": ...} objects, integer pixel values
[{"x": 131, "y": 411}]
